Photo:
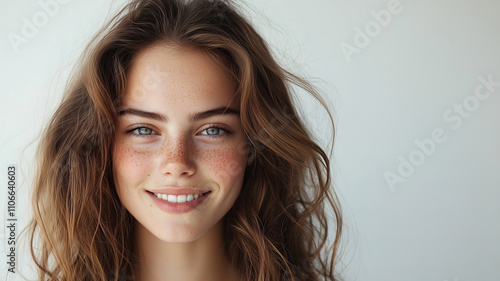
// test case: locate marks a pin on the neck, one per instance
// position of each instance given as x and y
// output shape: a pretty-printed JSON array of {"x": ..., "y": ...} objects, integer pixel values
[{"x": 201, "y": 260}]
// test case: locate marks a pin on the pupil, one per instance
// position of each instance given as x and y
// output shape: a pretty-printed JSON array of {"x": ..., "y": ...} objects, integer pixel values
[
  {"x": 144, "y": 131},
  {"x": 212, "y": 131}
]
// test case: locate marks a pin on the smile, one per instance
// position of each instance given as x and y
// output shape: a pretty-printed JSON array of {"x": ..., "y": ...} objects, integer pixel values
[{"x": 183, "y": 198}]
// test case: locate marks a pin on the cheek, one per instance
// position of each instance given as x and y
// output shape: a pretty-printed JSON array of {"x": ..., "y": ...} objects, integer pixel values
[
  {"x": 130, "y": 165},
  {"x": 224, "y": 164}
]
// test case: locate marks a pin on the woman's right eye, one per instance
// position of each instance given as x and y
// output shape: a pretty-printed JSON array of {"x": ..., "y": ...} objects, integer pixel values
[{"x": 142, "y": 131}]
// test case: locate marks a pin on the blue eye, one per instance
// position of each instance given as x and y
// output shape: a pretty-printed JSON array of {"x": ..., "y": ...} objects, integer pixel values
[
  {"x": 142, "y": 131},
  {"x": 214, "y": 132}
]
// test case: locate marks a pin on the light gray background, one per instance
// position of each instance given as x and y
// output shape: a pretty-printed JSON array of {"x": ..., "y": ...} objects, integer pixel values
[{"x": 441, "y": 222}]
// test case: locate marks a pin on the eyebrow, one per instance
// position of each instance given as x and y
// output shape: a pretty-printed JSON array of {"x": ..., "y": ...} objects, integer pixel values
[{"x": 192, "y": 117}]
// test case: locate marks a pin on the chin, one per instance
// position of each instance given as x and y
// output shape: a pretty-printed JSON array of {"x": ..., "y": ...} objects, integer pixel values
[{"x": 175, "y": 233}]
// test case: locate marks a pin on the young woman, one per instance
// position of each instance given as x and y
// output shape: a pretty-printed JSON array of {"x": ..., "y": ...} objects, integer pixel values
[{"x": 178, "y": 154}]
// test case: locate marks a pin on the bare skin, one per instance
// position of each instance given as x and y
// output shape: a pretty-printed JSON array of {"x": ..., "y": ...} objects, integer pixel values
[{"x": 161, "y": 147}]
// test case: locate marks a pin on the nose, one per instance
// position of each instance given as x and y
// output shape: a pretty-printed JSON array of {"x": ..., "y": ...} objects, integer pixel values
[{"x": 177, "y": 155}]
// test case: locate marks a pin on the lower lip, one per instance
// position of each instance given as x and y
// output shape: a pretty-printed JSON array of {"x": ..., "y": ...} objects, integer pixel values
[{"x": 178, "y": 208}]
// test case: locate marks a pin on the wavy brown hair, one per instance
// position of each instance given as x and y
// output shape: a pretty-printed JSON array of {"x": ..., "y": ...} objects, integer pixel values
[{"x": 278, "y": 226}]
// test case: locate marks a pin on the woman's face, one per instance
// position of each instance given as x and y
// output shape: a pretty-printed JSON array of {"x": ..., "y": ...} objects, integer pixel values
[{"x": 178, "y": 160}]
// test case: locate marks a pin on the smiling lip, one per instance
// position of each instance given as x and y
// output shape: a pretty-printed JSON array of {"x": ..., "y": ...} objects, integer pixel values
[
  {"x": 178, "y": 208},
  {"x": 178, "y": 191}
]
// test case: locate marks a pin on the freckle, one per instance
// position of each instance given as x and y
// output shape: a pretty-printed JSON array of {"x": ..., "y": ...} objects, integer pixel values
[{"x": 218, "y": 159}]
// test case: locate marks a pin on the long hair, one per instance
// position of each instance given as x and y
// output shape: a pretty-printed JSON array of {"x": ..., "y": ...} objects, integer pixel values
[{"x": 278, "y": 226}]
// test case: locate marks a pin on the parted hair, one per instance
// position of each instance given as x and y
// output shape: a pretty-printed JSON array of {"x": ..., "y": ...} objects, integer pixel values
[{"x": 278, "y": 228}]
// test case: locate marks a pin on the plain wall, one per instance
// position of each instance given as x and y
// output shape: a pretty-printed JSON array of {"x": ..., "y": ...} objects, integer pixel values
[{"x": 417, "y": 155}]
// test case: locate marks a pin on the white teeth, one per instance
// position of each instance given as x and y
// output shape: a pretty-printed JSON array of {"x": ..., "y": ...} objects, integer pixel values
[
  {"x": 172, "y": 198},
  {"x": 181, "y": 198},
  {"x": 178, "y": 198}
]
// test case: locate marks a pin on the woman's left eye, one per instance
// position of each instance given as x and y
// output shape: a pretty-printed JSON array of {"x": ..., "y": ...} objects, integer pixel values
[{"x": 214, "y": 132}]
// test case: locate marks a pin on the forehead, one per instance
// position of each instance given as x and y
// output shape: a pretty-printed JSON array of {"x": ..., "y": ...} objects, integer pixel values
[{"x": 166, "y": 76}]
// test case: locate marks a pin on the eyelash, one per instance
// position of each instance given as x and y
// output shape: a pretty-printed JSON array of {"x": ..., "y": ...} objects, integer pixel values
[
  {"x": 215, "y": 126},
  {"x": 225, "y": 131}
]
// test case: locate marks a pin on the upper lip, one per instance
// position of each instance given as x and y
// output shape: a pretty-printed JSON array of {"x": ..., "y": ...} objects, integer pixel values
[{"x": 178, "y": 190}]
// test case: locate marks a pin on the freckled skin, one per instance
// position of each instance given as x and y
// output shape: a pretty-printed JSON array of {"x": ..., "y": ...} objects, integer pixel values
[{"x": 179, "y": 152}]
